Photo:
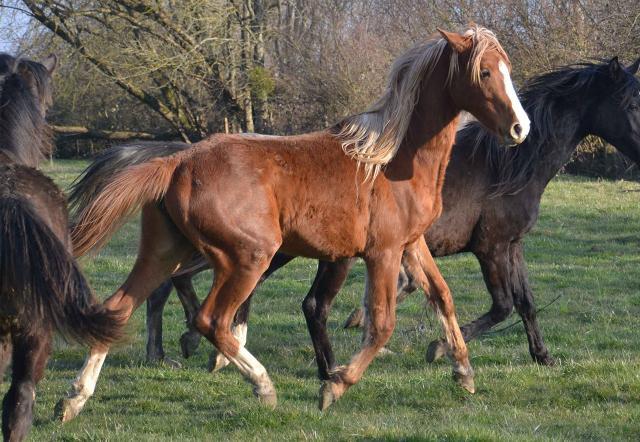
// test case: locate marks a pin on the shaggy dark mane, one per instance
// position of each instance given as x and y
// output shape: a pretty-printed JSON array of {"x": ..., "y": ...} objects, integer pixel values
[
  {"x": 24, "y": 134},
  {"x": 545, "y": 98}
]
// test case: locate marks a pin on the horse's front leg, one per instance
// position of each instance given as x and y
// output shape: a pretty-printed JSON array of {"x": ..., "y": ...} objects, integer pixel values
[
  {"x": 155, "y": 309},
  {"x": 382, "y": 278},
  {"x": 525, "y": 306},
  {"x": 420, "y": 263}
]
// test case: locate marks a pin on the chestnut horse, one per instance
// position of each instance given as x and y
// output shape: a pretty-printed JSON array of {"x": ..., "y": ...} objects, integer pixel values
[
  {"x": 41, "y": 287},
  {"x": 566, "y": 105},
  {"x": 368, "y": 187}
]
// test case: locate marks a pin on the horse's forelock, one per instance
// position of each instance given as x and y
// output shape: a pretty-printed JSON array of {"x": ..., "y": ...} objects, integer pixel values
[{"x": 484, "y": 40}]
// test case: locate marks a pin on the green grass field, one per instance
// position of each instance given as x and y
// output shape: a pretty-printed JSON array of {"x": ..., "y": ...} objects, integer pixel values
[{"x": 586, "y": 248}]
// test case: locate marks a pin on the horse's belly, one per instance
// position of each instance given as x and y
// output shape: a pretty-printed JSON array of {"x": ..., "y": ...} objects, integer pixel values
[{"x": 323, "y": 238}]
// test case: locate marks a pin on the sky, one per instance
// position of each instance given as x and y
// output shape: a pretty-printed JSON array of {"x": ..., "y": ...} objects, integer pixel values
[{"x": 13, "y": 25}]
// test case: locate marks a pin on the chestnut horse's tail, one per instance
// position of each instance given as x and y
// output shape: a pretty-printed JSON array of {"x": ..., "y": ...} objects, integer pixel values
[
  {"x": 41, "y": 285},
  {"x": 117, "y": 198}
]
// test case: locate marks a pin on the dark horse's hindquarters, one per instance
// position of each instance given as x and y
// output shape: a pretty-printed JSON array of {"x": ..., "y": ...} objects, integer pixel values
[
  {"x": 491, "y": 198},
  {"x": 41, "y": 287}
]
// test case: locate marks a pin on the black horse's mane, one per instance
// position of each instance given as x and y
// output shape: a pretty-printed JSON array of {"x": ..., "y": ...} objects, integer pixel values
[
  {"x": 545, "y": 98},
  {"x": 24, "y": 134}
]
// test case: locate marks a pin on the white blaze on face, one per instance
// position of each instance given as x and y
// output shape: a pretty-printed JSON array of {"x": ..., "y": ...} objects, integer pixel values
[{"x": 521, "y": 115}]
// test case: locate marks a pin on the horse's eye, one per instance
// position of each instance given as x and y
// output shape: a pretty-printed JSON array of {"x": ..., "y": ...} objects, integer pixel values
[
  {"x": 634, "y": 106},
  {"x": 485, "y": 73}
]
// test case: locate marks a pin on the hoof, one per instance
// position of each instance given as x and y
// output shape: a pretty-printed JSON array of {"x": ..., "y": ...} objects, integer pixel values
[
  {"x": 355, "y": 319},
  {"x": 545, "y": 359},
  {"x": 266, "y": 394},
  {"x": 171, "y": 363},
  {"x": 436, "y": 350},
  {"x": 269, "y": 399},
  {"x": 330, "y": 392},
  {"x": 67, "y": 409},
  {"x": 327, "y": 397},
  {"x": 217, "y": 361},
  {"x": 189, "y": 343},
  {"x": 465, "y": 381}
]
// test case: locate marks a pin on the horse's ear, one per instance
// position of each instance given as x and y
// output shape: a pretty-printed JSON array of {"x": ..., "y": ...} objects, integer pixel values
[
  {"x": 615, "y": 68},
  {"x": 458, "y": 42},
  {"x": 50, "y": 63},
  {"x": 633, "y": 69}
]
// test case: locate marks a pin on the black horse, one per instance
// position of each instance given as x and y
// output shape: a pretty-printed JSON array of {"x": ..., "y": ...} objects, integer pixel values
[
  {"x": 491, "y": 201},
  {"x": 41, "y": 287}
]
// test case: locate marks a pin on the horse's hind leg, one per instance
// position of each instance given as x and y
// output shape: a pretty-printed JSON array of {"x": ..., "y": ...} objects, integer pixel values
[
  {"x": 239, "y": 329},
  {"x": 190, "y": 340},
  {"x": 155, "y": 308},
  {"x": 382, "y": 278},
  {"x": 30, "y": 354},
  {"x": 234, "y": 281},
  {"x": 162, "y": 249},
  {"x": 316, "y": 306},
  {"x": 217, "y": 361}
]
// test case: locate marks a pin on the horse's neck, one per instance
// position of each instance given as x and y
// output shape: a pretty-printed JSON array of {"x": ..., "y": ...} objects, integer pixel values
[
  {"x": 24, "y": 136},
  {"x": 556, "y": 151},
  {"x": 24, "y": 148},
  {"x": 426, "y": 149}
]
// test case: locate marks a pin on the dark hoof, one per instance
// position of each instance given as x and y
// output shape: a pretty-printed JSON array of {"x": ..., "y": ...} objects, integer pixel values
[
  {"x": 217, "y": 361},
  {"x": 163, "y": 361},
  {"x": 189, "y": 342},
  {"x": 355, "y": 319},
  {"x": 66, "y": 409},
  {"x": 465, "y": 381},
  {"x": 545, "y": 359},
  {"x": 330, "y": 392},
  {"x": 436, "y": 350},
  {"x": 171, "y": 363}
]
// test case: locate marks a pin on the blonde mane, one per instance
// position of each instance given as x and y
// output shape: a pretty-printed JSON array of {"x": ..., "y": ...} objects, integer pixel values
[{"x": 373, "y": 137}]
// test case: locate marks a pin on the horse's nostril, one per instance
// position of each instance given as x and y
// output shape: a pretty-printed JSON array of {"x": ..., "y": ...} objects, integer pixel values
[{"x": 516, "y": 131}]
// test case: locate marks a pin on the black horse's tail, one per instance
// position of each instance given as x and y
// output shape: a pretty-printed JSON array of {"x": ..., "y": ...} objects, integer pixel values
[
  {"x": 41, "y": 284},
  {"x": 111, "y": 161}
]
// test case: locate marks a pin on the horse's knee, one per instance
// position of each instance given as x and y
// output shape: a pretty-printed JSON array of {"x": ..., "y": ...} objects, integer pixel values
[{"x": 523, "y": 302}]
